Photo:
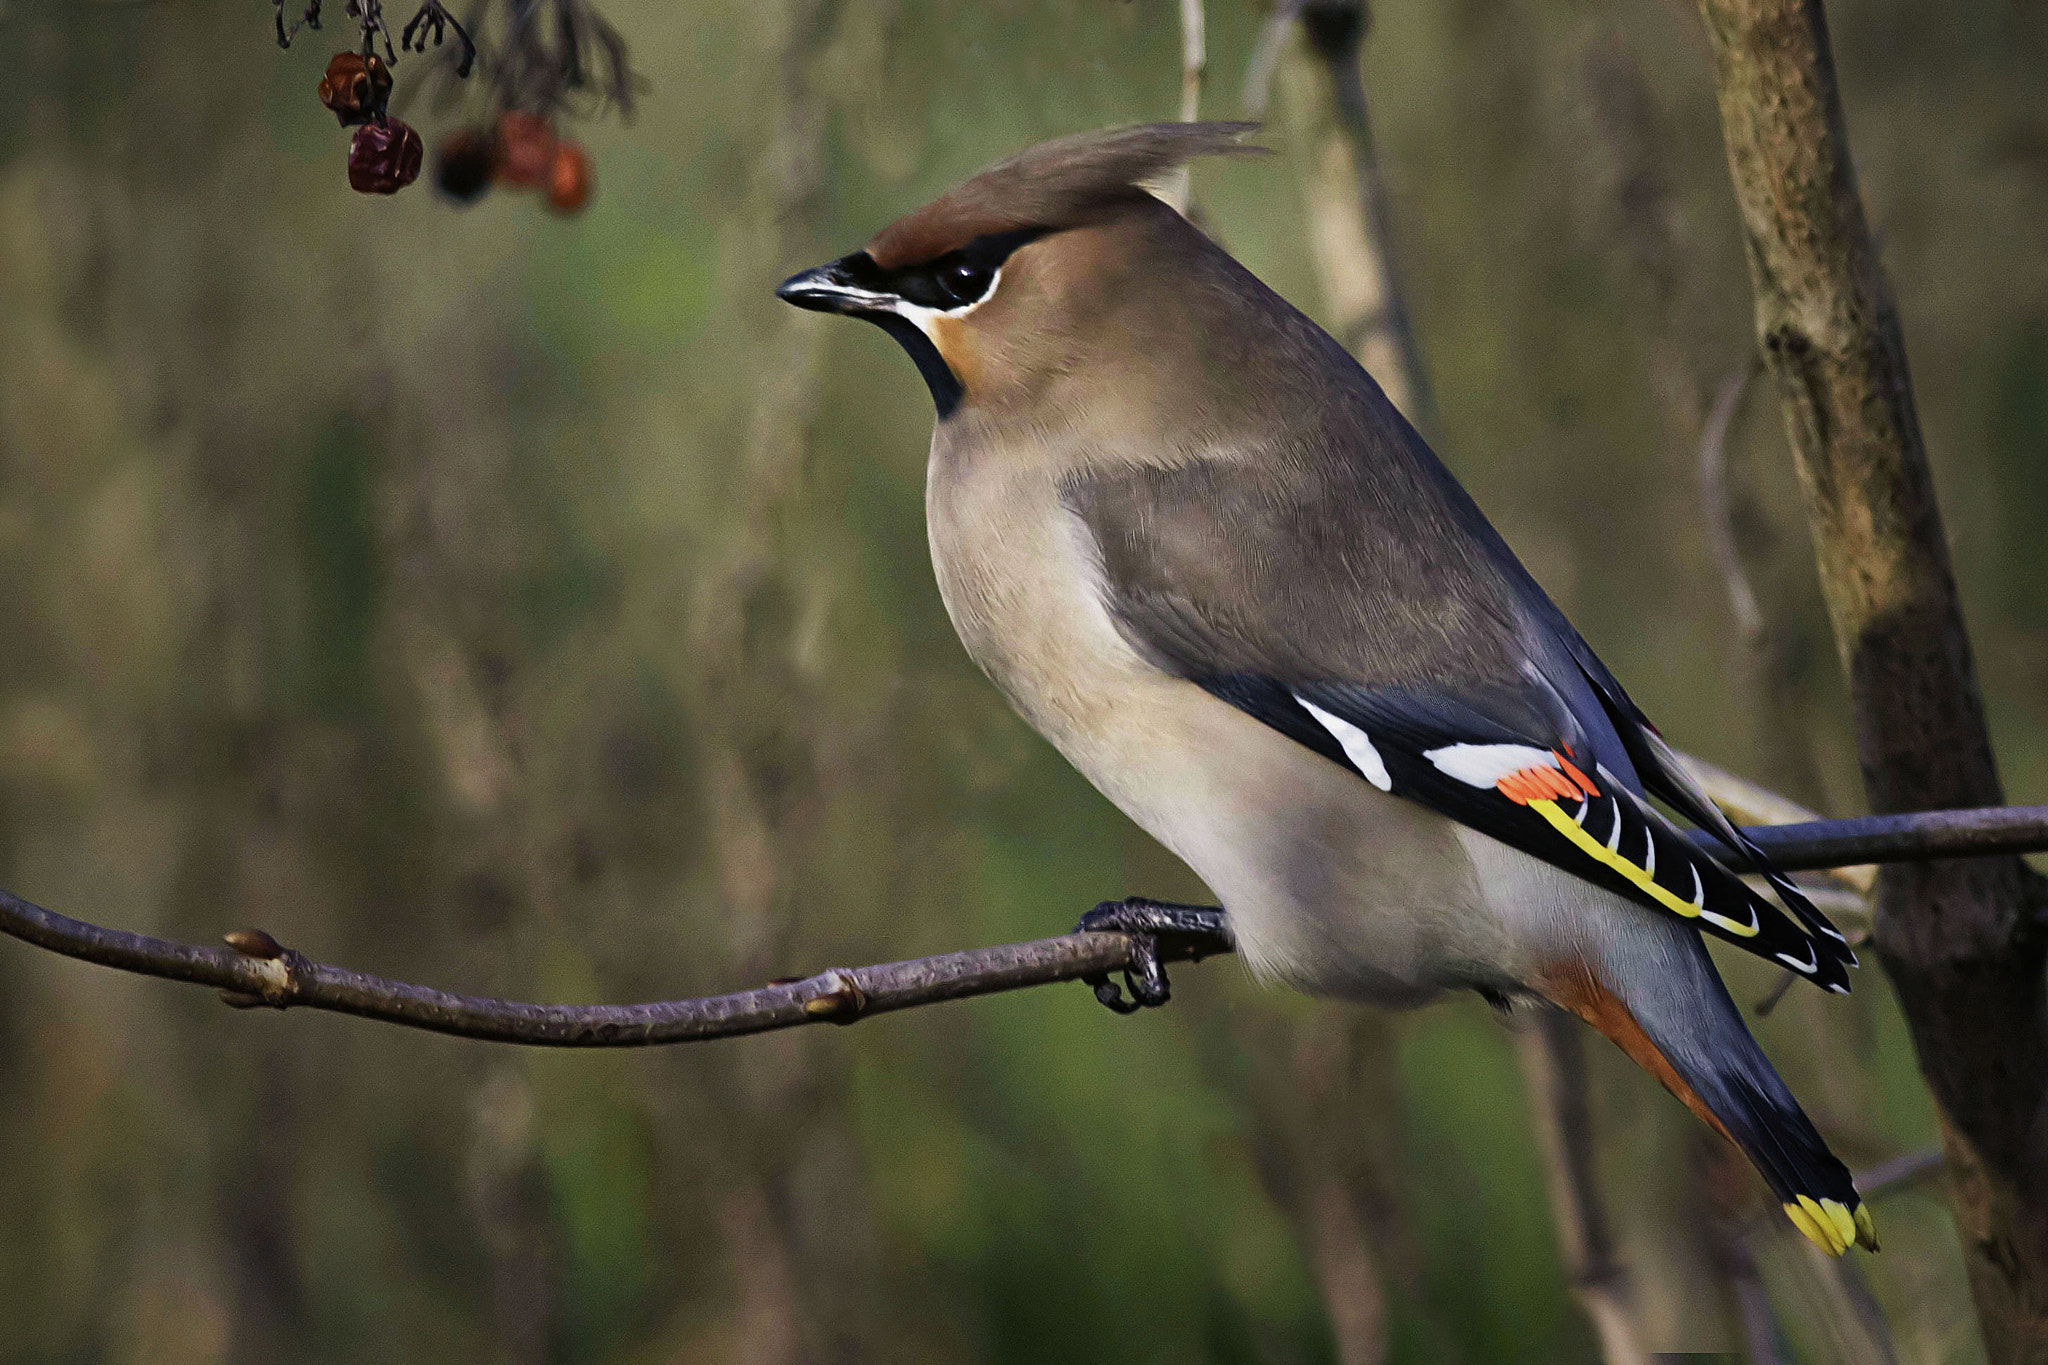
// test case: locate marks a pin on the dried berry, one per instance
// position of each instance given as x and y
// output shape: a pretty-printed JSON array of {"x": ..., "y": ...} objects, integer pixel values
[
  {"x": 526, "y": 150},
  {"x": 569, "y": 181},
  {"x": 384, "y": 157},
  {"x": 464, "y": 163},
  {"x": 356, "y": 87}
]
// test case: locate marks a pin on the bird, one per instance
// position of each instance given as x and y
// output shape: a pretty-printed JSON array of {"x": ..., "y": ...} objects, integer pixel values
[{"x": 1196, "y": 547}]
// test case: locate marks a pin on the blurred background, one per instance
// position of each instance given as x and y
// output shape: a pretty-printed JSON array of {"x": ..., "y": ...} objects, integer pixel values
[{"x": 535, "y": 607}]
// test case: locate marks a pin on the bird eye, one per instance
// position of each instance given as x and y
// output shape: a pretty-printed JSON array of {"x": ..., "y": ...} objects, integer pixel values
[{"x": 964, "y": 282}]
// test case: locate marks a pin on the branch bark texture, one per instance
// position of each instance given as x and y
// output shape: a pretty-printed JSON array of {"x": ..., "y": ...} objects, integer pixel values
[
  {"x": 1959, "y": 939},
  {"x": 254, "y": 970}
]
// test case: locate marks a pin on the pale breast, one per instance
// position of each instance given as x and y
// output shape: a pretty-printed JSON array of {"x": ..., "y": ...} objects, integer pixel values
[{"x": 1331, "y": 885}]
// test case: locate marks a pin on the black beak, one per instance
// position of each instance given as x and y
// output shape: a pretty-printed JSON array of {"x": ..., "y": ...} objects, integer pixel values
[
  {"x": 847, "y": 285},
  {"x": 856, "y": 286}
]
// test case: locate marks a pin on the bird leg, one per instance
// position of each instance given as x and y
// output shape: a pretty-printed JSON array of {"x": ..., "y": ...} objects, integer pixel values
[{"x": 1160, "y": 932}]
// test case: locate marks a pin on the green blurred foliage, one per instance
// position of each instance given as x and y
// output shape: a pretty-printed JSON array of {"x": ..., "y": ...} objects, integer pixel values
[{"x": 535, "y": 608}]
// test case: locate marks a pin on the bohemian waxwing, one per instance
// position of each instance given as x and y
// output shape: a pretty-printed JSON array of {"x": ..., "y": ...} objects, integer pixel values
[{"x": 1197, "y": 548}]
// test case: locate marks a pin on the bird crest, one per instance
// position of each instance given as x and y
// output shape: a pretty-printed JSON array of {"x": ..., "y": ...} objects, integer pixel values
[{"x": 1054, "y": 185}]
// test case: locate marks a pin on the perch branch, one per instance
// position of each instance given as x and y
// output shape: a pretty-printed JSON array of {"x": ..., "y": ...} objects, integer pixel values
[
  {"x": 1920, "y": 837},
  {"x": 253, "y": 970}
]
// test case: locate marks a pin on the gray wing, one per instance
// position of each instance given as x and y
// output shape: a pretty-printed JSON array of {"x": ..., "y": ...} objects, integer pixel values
[{"x": 1356, "y": 601}]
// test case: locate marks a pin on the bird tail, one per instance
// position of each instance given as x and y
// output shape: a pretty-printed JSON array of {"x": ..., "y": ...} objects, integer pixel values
[{"x": 1668, "y": 1009}]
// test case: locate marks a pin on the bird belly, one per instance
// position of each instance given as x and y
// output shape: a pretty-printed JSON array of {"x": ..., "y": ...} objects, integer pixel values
[{"x": 1331, "y": 885}]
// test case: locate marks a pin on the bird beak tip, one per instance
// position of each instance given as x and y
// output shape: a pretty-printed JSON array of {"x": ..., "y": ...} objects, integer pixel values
[{"x": 822, "y": 289}]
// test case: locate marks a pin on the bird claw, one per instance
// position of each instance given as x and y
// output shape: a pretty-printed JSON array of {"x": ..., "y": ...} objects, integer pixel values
[{"x": 1190, "y": 932}]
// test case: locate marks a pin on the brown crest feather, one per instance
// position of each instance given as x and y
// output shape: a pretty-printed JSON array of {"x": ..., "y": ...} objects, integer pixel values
[{"x": 1053, "y": 185}]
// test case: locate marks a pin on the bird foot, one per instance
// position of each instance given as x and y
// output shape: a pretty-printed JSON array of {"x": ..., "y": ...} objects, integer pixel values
[{"x": 1160, "y": 932}]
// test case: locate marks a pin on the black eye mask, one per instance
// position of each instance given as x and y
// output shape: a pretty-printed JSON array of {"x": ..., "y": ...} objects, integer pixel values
[
  {"x": 857, "y": 287},
  {"x": 960, "y": 277}
]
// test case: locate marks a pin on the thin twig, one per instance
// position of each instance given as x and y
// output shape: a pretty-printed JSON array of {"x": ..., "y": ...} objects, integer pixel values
[
  {"x": 1346, "y": 196},
  {"x": 1715, "y": 502},
  {"x": 1194, "y": 64},
  {"x": 1554, "y": 1063},
  {"x": 1835, "y": 1285},
  {"x": 257, "y": 972},
  {"x": 1265, "y": 58},
  {"x": 1726, "y": 1191},
  {"x": 1194, "y": 58},
  {"x": 1901, "y": 1172},
  {"x": 1763, "y": 1343},
  {"x": 1854, "y": 1318},
  {"x": 1775, "y": 996}
]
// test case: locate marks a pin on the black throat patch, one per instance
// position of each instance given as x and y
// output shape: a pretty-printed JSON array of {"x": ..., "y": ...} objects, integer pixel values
[
  {"x": 938, "y": 375},
  {"x": 957, "y": 279}
]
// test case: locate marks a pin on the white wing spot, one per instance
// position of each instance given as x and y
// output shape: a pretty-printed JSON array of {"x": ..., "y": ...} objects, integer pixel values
[
  {"x": 1649, "y": 850},
  {"x": 1806, "y": 968},
  {"x": 1699, "y": 892},
  {"x": 1357, "y": 745},
  {"x": 1614, "y": 835},
  {"x": 1483, "y": 765}
]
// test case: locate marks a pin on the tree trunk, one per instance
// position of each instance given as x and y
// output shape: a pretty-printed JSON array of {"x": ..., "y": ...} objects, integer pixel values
[{"x": 1959, "y": 938}]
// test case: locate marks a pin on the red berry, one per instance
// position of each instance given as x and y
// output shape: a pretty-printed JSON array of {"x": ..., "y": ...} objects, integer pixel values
[
  {"x": 569, "y": 180},
  {"x": 384, "y": 157},
  {"x": 356, "y": 87},
  {"x": 526, "y": 149}
]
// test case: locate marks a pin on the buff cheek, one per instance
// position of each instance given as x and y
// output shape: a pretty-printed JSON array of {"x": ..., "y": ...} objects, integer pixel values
[{"x": 956, "y": 348}]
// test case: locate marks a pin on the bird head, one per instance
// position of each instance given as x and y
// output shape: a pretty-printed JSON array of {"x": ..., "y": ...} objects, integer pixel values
[{"x": 990, "y": 286}]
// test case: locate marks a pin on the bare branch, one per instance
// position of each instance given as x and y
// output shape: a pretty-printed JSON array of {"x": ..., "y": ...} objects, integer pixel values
[
  {"x": 1746, "y": 803},
  {"x": 1720, "y": 515},
  {"x": 1554, "y": 1064},
  {"x": 254, "y": 970},
  {"x": 1194, "y": 64},
  {"x": 1265, "y": 58},
  {"x": 1901, "y": 1172},
  {"x": 1924, "y": 836},
  {"x": 1854, "y": 1319},
  {"x": 1728, "y": 1222},
  {"x": 1345, "y": 194},
  {"x": 1194, "y": 58}
]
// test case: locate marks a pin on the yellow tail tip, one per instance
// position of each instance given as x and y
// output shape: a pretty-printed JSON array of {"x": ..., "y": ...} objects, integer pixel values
[
  {"x": 1866, "y": 1228},
  {"x": 1818, "y": 1228},
  {"x": 1832, "y": 1225}
]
